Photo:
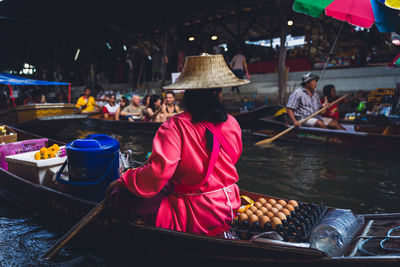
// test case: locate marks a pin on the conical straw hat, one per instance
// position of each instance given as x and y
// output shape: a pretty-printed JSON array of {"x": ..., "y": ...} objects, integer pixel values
[{"x": 205, "y": 71}]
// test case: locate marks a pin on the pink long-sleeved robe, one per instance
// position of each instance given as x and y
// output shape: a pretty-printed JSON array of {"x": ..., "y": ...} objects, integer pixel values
[{"x": 180, "y": 157}]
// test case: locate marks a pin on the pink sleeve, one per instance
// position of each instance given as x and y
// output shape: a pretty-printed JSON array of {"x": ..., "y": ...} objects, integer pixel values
[
  {"x": 238, "y": 135},
  {"x": 148, "y": 180}
]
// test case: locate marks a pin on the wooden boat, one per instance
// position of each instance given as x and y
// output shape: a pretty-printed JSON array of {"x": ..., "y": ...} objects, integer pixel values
[
  {"x": 53, "y": 204},
  {"x": 97, "y": 121},
  {"x": 247, "y": 120},
  {"x": 20, "y": 114},
  {"x": 356, "y": 135},
  {"x": 52, "y": 125},
  {"x": 381, "y": 120}
]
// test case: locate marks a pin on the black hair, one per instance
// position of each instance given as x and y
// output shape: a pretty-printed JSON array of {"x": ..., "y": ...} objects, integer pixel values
[
  {"x": 170, "y": 92},
  {"x": 125, "y": 101},
  {"x": 204, "y": 105},
  {"x": 327, "y": 92},
  {"x": 153, "y": 99},
  {"x": 144, "y": 100}
]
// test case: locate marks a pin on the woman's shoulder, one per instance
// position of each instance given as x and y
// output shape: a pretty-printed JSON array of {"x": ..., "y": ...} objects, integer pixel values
[
  {"x": 232, "y": 120},
  {"x": 175, "y": 125},
  {"x": 232, "y": 124},
  {"x": 181, "y": 118}
]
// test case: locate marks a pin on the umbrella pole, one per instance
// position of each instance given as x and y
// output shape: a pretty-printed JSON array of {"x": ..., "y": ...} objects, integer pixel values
[
  {"x": 11, "y": 94},
  {"x": 330, "y": 53},
  {"x": 69, "y": 93}
]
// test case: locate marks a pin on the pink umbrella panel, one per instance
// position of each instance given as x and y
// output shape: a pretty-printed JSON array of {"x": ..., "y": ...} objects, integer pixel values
[{"x": 362, "y": 13}]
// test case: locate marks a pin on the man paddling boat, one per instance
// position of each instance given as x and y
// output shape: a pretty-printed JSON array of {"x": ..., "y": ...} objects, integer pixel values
[{"x": 305, "y": 101}]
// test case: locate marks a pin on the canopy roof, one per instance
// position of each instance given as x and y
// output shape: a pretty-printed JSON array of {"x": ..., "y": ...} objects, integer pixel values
[{"x": 16, "y": 80}]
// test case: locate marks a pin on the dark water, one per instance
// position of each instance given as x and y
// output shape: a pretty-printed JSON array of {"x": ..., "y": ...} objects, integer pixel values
[{"x": 364, "y": 181}]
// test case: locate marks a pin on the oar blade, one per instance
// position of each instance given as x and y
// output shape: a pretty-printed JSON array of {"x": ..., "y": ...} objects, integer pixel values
[{"x": 265, "y": 142}]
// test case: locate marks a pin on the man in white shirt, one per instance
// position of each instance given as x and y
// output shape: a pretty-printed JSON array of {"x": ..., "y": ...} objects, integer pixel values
[
  {"x": 239, "y": 68},
  {"x": 110, "y": 108}
]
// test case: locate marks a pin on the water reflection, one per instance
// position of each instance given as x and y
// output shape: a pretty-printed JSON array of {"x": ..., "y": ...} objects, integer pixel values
[{"x": 361, "y": 180}]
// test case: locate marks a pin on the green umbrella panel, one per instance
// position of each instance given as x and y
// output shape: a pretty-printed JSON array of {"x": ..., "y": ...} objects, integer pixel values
[{"x": 312, "y": 8}]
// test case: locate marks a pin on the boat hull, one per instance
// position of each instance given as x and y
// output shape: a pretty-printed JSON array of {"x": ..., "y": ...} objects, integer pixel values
[
  {"x": 189, "y": 248},
  {"x": 338, "y": 138},
  {"x": 50, "y": 126},
  {"x": 20, "y": 114}
]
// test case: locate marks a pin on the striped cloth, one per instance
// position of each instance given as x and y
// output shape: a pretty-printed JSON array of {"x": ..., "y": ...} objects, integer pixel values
[{"x": 302, "y": 104}]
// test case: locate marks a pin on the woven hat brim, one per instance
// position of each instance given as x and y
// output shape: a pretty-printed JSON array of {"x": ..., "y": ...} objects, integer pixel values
[
  {"x": 191, "y": 86},
  {"x": 205, "y": 71},
  {"x": 315, "y": 78}
]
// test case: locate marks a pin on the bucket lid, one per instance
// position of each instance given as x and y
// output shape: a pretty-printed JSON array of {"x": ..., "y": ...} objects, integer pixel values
[{"x": 99, "y": 143}]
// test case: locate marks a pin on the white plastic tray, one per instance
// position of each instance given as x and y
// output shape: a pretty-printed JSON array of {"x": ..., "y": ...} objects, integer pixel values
[{"x": 28, "y": 159}]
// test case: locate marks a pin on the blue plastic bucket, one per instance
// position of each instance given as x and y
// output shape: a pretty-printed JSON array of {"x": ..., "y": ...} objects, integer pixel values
[{"x": 93, "y": 163}]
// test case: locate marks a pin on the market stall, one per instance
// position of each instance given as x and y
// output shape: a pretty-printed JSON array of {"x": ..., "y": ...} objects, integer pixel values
[{"x": 12, "y": 80}]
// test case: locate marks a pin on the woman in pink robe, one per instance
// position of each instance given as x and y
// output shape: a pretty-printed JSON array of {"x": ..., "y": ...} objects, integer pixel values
[{"x": 191, "y": 173}]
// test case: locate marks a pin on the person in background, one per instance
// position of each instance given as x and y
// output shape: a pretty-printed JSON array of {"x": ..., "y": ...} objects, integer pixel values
[
  {"x": 360, "y": 97},
  {"x": 305, "y": 101},
  {"x": 181, "y": 60},
  {"x": 110, "y": 108},
  {"x": 134, "y": 111},
  {"x": 330, "y": 96},
  {"x": 43, "y": 99},
  {"x": 124, "y": 103},
  {"x": 189, "y": 181},
  {"x": 28, "y": 100},
  {"x": 146, "y": 100},
  {"x": 60, "y": 97},
  {"x": 34, "y": 98},
  {"x": 154, "y": 112},
  {"x": 86, "y": 103},
  {"x": 239, "y": 68},
  {"x": 170, "y": 108}
]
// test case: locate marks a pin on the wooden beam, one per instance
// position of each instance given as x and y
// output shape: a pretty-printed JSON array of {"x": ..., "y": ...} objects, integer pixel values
[
  {"x": 229, "y": 31},
  {"x": 251, "y": 23}
]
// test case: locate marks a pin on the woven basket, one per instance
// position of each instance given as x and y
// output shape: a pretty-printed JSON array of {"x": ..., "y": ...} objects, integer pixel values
[{"x": 9, "y": 138}]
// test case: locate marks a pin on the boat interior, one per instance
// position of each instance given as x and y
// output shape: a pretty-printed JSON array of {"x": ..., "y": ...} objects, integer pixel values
[{"x": 376, "y": 238}]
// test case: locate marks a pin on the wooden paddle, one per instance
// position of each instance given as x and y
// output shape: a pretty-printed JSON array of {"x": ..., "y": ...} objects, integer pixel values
[
  {"x": 269, "y": 140},
  {"x": 76, "y": 228}
]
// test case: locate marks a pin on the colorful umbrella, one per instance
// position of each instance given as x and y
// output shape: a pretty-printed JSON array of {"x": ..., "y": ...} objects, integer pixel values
[
  {"x": 395, "y": 62},
  {"x": 362, "y": 13},
  {"x": 391, "y": 3}
]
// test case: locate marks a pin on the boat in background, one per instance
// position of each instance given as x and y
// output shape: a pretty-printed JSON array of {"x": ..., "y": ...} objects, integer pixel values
[
  {"x": 52, "y": 125},
  {"x": 54, "y": 203},
  {"x": 246, "y": 120},
  {"x": 364, "y": 136},
  {"x": 20, "y": 114}
]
